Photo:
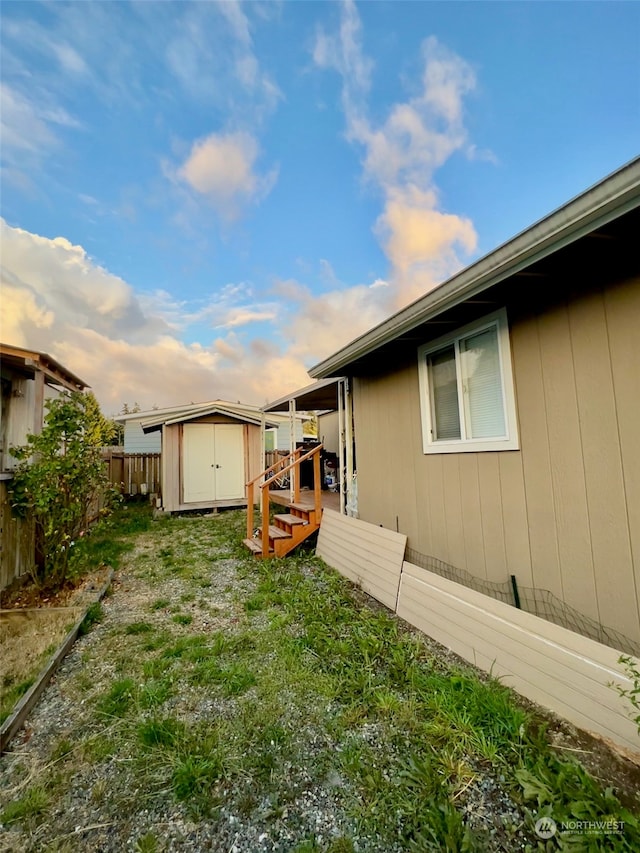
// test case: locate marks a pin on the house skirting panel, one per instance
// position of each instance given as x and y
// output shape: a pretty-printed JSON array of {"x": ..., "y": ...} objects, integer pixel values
[
  {"x": 369, "y": 556},
  {"x": 563, "y": 671},
  {"x": 557, "y": 668}
]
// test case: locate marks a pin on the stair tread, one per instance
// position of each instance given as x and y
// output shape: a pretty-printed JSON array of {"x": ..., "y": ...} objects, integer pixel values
[
  {"x": 287, "y": 518},
  {"x": 255, "y": 545},
  {"x": 302, "y": 507},
  {"x": 277, "y": 532}
]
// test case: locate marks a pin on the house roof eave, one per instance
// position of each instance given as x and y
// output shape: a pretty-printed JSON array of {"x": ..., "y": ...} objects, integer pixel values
[{"x": 605, "y": 201}]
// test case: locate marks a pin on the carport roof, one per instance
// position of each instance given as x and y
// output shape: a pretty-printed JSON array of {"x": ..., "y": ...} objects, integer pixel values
[{"x": 320, "y": 396}]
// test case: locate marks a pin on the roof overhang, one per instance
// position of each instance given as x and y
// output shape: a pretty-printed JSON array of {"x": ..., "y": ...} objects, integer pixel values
[
  {"x": 319, "y": 396},
  {"x": 30, "y": 362},
  {"x": 165, "y": 411},
  {"x": 606, "y": 201}
]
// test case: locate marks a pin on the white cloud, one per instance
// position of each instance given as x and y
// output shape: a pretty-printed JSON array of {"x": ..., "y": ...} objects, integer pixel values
[
  {"x": 21, "y": 123},
  {"x": 210, "y": 52},
  {"x": 60, "y": 281},
  {"x": 317, "y": 325},
  {"x": 420, "y": 241},
  {"x": 243, "y": 316},
  {"x": 126, "y": 345},
  {"x": 402, "y": 153},
  {"x": 222, "y": 167}
]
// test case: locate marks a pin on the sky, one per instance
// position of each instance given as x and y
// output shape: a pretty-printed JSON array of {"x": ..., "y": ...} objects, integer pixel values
[{"x": 201, "y": 200}]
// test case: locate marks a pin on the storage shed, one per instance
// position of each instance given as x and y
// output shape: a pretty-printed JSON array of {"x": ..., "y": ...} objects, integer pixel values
[
  {"x": 208, "y": 455},
  {"x": 136, "y": 440}
]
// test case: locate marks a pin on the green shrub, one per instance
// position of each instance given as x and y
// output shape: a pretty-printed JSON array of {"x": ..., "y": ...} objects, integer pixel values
[{"x": 60, "y": 475}]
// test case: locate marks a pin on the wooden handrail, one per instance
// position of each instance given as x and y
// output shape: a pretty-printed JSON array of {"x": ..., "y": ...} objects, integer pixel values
[
  {"x": 293, "y": 464},
  {"x": 274, "y": 466},
  {"x": 264, "y": 497}
]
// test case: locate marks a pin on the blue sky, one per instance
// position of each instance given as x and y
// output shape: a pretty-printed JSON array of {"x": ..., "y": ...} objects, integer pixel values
[{"x": 201, "y": 200}]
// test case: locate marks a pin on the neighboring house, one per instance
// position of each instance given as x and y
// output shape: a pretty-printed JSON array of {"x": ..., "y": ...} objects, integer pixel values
[
  {"x": 137, "y": 441},
  {"x": 28, "y": 379},
  {"x": 496, "y": 427},
  {"x": 209, "y": 453}
]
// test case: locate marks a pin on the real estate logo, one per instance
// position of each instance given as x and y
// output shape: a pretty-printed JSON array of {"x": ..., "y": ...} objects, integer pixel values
[{"x": 545, "y": 827}]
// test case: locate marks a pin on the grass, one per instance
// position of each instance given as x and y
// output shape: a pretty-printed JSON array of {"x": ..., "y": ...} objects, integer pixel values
[
  {"x": 110, "y": 539},
  {"x": 299, "y": 686},
  {"x": 10, "y": 695},
  {"x": 32, "y": 804}
]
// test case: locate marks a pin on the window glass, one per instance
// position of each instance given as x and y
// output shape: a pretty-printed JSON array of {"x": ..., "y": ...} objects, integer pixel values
[
  {"x": 444, "y": 384},
  {"x": 482, "y": 385}
]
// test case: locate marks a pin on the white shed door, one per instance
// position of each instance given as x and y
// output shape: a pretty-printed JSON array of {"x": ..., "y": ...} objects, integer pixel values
[
  {"x": 213, "y": 466},
  {"x": 229, "y": 461}
]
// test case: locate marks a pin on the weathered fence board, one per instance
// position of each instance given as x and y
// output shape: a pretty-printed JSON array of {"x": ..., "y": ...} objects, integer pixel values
[
  {"x": 17, "y": 542},
  {"x": 134, "y": 473}
]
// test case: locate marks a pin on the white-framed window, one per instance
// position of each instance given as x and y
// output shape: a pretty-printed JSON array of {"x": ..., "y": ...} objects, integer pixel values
[{"x": 466, "y": 389}]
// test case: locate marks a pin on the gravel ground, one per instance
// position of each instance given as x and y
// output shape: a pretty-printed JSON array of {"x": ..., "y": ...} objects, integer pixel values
[
  {"x": 96, "y": 794},
  {"x": 93, "y": 810}
]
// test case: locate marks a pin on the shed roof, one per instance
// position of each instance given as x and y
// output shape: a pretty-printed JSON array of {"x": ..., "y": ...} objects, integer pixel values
[
  {"x": 605, "y": 202},
  {"x": 156, "y": 420},
  {"x": 175, "y": 414}
]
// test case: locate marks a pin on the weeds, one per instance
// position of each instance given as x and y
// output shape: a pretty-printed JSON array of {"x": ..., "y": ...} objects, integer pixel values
[
  {"x": 31, "y": 805},
  {"x": 93, "y": 616},
  {"x": 138, "y": 628},
  {"x": 631, "y": 694},
  {"x": 10, "y": 695},
  {"x": 297, "y": 687}
]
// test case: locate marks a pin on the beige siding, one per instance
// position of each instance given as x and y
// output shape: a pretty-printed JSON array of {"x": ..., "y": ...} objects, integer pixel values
[
  {"x": 563, "y": 512},
  {"x": 536, "y": 459},
  {"x": 369, "y": 556},
  {"x": 622, "y": 308},
  {"x": 560, "y": 670},
  {"x": 610, "y": 537}
]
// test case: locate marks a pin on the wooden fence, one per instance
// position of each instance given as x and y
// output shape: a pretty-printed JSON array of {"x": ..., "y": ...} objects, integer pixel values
[
  {"x": 17, "y": 542},
  {"x": 272, "y": 456},
  {"x": 134, "y": 473}
]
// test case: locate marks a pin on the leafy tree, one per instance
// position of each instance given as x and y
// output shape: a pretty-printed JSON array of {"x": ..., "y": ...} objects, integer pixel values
[
  {"x": 310, "y": 427},
  {"x": 100, "y": 431},
  {"x": 59, "y": 476}
]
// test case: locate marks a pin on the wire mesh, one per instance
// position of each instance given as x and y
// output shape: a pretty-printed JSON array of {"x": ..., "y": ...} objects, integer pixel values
[{"x": 539, "y": 602}]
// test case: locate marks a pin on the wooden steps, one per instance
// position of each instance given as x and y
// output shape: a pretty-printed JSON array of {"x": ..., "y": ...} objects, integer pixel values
[
  {"x": 286, "y": 533},
  {"x": 290, "y": 528},
  {"x": 255, "y": 545}
]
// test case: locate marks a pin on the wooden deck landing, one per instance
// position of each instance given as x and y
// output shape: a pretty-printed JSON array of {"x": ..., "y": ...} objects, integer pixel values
[{"x": 282, "y": 497}]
